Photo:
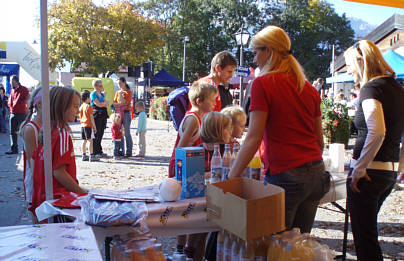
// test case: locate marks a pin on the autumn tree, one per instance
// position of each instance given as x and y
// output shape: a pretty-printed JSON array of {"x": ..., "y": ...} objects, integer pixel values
[{"x": 100, "y": 39}]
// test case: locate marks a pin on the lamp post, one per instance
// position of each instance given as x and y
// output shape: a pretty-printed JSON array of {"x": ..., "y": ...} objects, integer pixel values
[
  {"x": 242, "y": 37},
  {"x": 186, "y": 39}
]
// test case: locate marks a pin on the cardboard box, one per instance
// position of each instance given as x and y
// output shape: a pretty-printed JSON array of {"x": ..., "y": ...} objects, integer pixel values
[
  {"x": 246, "y": 207},
  {"x": 190, "y": 171}
]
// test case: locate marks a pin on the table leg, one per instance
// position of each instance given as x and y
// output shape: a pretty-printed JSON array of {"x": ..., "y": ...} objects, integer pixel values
[
  {"x": 344, "y": 243},
  {"x": 108, "y": 248}
]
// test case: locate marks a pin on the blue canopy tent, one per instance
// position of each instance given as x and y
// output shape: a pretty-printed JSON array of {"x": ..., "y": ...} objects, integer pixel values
[
  {"x": 163, "y": 78},
  {"x": 395, "y": 60},
  {"x": 9, "y": 69}
]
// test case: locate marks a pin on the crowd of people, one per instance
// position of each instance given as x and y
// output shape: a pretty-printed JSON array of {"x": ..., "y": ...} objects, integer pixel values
[{"x": 284, "y": 121}]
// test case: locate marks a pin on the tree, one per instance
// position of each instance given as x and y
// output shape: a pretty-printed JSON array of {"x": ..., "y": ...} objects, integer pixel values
[
  {"x": 314, "y": 27},
  {"x": 98, "y": 39}
]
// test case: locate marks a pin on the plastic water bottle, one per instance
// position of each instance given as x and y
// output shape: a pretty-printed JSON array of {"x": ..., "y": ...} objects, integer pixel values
[
  {"x": 255, "y": 167},
  {"x": 234, "y": 155},
  {"x": 235, "y": 250},
  {"x": 247, "y": 251},
  {"x": 216, "y": 166},
  {"x": 228, "y": 242},
  {"x": 226, "y": 162},
  {"x": 220, "y": 246}
]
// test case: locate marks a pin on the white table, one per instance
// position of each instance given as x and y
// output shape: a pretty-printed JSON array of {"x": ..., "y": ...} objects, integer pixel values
[{"x": 61, "y": 241}]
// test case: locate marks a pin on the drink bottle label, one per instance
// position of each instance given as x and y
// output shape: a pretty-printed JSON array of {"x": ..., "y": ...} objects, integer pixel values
[
  {"x": 227, "y": 254},
  {"x": 225, "y": 173},
  {"x": 255, "y": 173},
  {"x": 219, "y": 252},
  {"x": 216, "y": 175}
]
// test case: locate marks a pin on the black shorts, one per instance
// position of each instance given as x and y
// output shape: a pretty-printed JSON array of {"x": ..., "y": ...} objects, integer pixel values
[{"x": 86, "y": 133}]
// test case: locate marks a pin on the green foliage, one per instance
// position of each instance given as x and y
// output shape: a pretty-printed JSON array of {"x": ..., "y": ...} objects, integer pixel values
[
  {"x": 159, "y": 109},
  {"x": 99, "y": 39},
  {"x": 336, "y": 122}
]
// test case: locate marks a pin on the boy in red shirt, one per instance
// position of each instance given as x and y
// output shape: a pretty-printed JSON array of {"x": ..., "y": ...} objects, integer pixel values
[{"x": 87, "y": 126}]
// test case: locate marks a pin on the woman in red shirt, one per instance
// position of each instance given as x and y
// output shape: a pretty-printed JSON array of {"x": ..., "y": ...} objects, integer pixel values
[{"x": 285, "y": 113}]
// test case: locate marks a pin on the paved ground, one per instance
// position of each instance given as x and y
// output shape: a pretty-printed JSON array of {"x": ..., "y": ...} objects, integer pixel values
[{"x": 129, "y": 173}]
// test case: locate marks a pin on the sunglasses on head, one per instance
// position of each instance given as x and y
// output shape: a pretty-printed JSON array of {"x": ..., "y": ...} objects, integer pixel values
[{"x": 356, "y": 46}]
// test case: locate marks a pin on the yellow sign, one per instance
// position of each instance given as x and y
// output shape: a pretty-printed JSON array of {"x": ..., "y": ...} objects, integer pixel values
[{"x": 3, "y": 46}]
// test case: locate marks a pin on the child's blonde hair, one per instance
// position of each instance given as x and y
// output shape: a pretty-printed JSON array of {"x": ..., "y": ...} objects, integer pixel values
[
  {"x": 115, "y": 118},
  {"x": 140, "y": 104},
  {"x": 200, "y": 90},
  {"x": 213, "y": 125},
  {"x": 234, "y": 112}
]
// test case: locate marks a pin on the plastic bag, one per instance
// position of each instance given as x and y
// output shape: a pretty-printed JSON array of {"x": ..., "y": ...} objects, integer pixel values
[{"x": 111, "y": 213}]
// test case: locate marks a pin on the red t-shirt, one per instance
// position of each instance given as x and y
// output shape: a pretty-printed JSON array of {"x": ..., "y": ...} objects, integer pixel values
[
  {"x": 62, "y": 154},
  {"x": 289, "y": 137},
  {"x": 116, "y": 132},
  {"x": 18, "y": 100}
]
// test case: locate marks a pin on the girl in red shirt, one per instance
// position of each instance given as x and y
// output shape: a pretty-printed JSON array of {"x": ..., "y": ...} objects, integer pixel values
[{"x": 64, "y": 106}]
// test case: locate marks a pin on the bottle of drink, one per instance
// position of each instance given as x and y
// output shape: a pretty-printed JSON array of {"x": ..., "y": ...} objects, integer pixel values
[
  {"x": 220, "y": 246},
  {"x": 234, "y": 155},
  {"x": 261, "y": 249},
  {"x": 216, "y": 166},
  {"x": 228, "y": 241},
  {"x": 247, "y": 251},
  {"x": 226, "y": 162},
  {"x": 235, "y": 249},
  {"x": 255, "y": 167}
]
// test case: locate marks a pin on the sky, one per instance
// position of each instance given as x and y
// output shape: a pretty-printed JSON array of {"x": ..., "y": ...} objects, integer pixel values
[{"x": 18, "y": 17}]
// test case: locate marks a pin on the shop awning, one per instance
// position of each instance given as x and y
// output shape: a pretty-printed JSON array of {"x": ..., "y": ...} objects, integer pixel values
[{"x": 392, "y": 3}]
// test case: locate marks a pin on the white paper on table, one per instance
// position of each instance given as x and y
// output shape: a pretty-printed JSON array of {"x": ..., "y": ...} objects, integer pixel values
[
  {"x": 61, "y": 241},
  {"x": 147, "y": 194}
]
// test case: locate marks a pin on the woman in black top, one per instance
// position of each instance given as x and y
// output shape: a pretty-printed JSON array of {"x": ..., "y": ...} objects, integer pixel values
[{"x": 376, "y": 154}]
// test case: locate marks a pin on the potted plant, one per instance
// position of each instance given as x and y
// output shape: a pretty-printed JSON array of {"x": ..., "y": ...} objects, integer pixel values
[{"x": 336, "y": 122}]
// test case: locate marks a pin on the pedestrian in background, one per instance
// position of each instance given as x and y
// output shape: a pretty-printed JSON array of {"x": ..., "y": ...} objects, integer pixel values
[
  {"x": 18, "y": 109},
  {"x": 88, "y": 128},
  {"x": 3, "y": 109},
  {"x": 376, "y": 156},
  {"x": 100, "y": 105},
  {"x": 141, "y": 129}
]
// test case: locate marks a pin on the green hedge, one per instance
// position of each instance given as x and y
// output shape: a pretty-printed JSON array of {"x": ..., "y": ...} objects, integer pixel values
[{"x": 159, "y": 109}]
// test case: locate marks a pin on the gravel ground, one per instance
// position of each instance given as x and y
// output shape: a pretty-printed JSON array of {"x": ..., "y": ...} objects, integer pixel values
[{"x": 131, "y": 172}]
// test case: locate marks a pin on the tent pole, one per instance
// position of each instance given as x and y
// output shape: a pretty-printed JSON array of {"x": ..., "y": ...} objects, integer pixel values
[{"x": 46, "y": 127}]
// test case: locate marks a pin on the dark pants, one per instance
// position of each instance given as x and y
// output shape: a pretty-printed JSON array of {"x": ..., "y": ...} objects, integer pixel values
[
  {"x": 304, "y": 187},
  {"x": 100, "y": 123},
  {"x": 117, "y": 148},
  {"x": 364, "y": 208},
  {"x": 15, "y": 122},
  {"x": 3, "y": 127}
]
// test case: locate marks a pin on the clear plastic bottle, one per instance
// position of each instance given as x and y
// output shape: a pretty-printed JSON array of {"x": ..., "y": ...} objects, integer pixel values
[
  {"x": 226, "y": 162},
  {"x": 247, "y": 251},
  {"x": 255, "y": 167},
  {"x": 235, "y": 249},
  {"x": 228, "y": 241},
  {"x": 216, "y": 166},
  {"x": 234, "y": 155},
  {"x": 261, "y": 248},
  {"x": 220, "y": 246},
  {"x": 274, "y": 249}
]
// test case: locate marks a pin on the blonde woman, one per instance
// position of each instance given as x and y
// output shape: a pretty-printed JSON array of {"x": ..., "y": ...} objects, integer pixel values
[
  {"x": 285, "y": 113},
  {"x": 376, "y": 154},
  {"x": 100, "y": 105}
]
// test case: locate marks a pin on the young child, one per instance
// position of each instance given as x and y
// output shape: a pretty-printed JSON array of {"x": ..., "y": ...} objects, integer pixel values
[
  {"x": 203, "y": 99},
  {"x": 216, "y": 128},
  {"x": 238, "y": 119},
  {"x": 120, "y": 109},
  {"x": 30, "y": 131},
  {"x": 87, "y": 126},
  {"x": 64, "y": 106},
  {"x": 141, "y": 129},
  {"x": 117, "y": 133}
]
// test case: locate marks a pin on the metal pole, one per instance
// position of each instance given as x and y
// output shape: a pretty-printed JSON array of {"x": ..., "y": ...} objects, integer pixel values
[
  {"x": 241, "y": 77},
  {"x": 45, "y": 101},
  {"x": 333, "y": 69},
  {"x": 183, "y": 62}
]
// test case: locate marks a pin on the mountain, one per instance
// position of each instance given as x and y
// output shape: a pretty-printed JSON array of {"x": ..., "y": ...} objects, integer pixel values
[{"x": 360, "y": 27}]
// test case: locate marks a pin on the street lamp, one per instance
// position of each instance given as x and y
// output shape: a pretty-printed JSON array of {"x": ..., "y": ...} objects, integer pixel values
[
  {"x": 242, "y": 37},
  {"x": 186, "y": 39}
]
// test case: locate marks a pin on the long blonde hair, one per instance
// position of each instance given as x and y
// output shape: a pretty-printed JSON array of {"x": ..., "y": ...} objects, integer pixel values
[
  {"x": 281, "y": 59},
  {"x": 367, "y": 61},
  {"x": 213, "y": 125}
]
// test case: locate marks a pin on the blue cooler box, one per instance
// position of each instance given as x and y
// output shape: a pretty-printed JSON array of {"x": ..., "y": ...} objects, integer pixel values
[{"x": 190, "y": 171}]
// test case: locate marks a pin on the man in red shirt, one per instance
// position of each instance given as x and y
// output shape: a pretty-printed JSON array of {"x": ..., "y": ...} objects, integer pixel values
[{"x": 18, "y": 110}]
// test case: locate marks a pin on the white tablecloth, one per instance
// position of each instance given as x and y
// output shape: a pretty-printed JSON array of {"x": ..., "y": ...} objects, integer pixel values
[{"x": 62, "y": 242}]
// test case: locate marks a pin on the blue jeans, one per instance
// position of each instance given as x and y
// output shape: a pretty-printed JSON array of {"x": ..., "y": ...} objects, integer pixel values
[
  {"x": 3, "y": 126},
  {"x": 304, "y": 187},
  {"x": 364, "y": 207},
  {"x": 128, "y": 137},
  {"x": 117, "y": 147},
  {"x": 15, "y": 122}
]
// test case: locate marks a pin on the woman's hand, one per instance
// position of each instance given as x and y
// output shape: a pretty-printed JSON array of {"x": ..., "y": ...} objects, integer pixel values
[{"x": 357, "y": 174}]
